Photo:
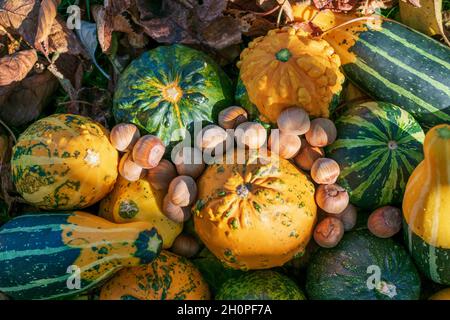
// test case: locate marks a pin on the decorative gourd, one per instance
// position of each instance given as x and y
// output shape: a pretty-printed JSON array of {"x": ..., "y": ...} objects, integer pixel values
[
  {"x": 169, "y": 88},
  {"x": 241, "y": 97},
  {"x": 169, "y": 277},
  {"x": 390, "y": 62},
  {"x": 257, "y": 214},
  {"x": 426, "y": 207},
  {"x": 139, "y": 201},
  {"x": 362, "y": 267},
  {"x": 213, "y": 270},
  {"x": 287, "y": 68},
  {"x": 64, "y": 162},
  {"x": 42, "y": 254},
  {"x": 441, "y": 295},
  {"x": 260, "y": 285},
  {"x": 377, "y": 148}
]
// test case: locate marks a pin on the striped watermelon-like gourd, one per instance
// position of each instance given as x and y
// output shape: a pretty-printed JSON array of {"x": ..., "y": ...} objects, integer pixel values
[
  {"x": 42, "y": 256},
  {"x": 64, "y": 162},
  {"x": 394, "y": 63},
  {"x": 426, "y": 207},
  {"x": 389, "y": 61},
  {"x": 169, "y": 88},
  {"x": 378, "y": 146}
]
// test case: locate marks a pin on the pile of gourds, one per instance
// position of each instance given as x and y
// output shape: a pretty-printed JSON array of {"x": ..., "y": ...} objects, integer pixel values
[{"x": 327, "y": 174}]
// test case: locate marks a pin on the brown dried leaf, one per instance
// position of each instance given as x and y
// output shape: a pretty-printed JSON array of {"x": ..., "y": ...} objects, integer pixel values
[
  {"x": 336, "y": 5},
  {"x": 137, "y": 40},
  {"x": 209, "y": 10},
  {"x": 251, "y": 24},
  {"x": 47, "y": 15},
  {"x": 61, "y": 39},
  {"x": 27, "y": 99},
  {"x": 104, "y": 27},
  {"x": 116, "y": 7},
  {"x": 196, "y": 23},
  {"x": 14, "y": 12},
  {"x": 221, "y": 33},
  {"x": 16, "y": 66},
  {"x": 415, "y": 3}
]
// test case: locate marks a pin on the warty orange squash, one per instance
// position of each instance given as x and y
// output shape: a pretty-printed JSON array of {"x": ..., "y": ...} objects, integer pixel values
[
  {"x": 287, "y": 67},
  {"x": 255, "y": 215}
]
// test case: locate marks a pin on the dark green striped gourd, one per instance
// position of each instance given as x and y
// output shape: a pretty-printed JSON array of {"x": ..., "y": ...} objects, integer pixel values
[
  {"x": 377, "y": 148},
  {"x": 396, "y": 64},
  {"x": 170, "y": 88},
  {"x": 59, "y": 255},
  {"x": 362, "y": 267}
]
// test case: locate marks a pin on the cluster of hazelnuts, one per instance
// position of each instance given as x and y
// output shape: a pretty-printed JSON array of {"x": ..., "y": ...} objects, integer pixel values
[{"x": 298, "y": 139}]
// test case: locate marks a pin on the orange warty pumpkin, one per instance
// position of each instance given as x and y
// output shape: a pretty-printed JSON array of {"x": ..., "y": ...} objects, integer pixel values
[
  {"x": 169, "y": 277},
  {"x": 255, "y": 215},
  {"x": 288, "y": 67}
]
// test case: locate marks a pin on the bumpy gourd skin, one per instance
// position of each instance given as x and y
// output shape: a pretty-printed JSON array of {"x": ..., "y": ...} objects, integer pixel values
[
  {"x": 64, "y": 162},
  {"x": 139, "y": 201},
  {"x": 169, "y": 277},
  {"x": 260, "y": 285},
  {"x": 288, "y": 67},
  {"x": 255, "y": 215}
]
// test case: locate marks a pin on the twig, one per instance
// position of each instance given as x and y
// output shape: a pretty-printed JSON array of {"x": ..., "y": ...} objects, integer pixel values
[
  {"x": 351, "y": 21},
  {"x": 266, "y": 13},
  {"x": 9, "y": 131},
  {"x": 76, "y": 101},
  {"x": 280, "y": 13}
]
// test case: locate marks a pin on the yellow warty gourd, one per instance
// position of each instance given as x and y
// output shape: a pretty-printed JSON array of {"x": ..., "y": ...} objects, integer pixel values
[{"x": 287, "y": 67}]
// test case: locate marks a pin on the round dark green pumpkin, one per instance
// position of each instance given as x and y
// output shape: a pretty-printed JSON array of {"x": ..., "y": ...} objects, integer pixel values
[
  {"x": 260, "y": 285},
  {"x": 170, "y": 88},
  {"x": 377, "y": 148},
  {"x": 347, "y": 272}
]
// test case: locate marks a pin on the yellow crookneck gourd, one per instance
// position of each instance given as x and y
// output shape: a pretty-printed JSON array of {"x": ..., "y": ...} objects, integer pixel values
[
  {"x": 426, "y": 207},
  {"x": 139, "y": 201}
]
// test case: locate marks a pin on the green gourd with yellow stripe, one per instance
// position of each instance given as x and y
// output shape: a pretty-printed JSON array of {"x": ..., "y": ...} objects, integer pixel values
[
  {"x": 377, "y": 148},
  {"x": 58, "y": 255},
  {"x": 64, "y": 162},
  {"x": 426, "y": 207},
  {"x": 169, "y": 88},
  {"x": 389, "y": 61}
]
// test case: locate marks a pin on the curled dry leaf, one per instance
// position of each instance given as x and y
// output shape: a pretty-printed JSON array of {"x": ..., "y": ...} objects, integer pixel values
[
  {"x": 250, "y": 23},
  {"x": 27, "y": 99},
  {"x": 199, "y": 23},
  {"x": 47, "y": 15},
  {"x": 336, "y": 5},
  {"x": 14, "y": 12},
  {"x": 104, "y": 27},
  {"x": 16, "y": 66}
]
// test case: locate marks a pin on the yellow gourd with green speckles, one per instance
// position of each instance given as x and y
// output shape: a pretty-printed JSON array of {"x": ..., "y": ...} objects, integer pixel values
[
  {"x": 139, "y": 201},
  {"x": 169, "y": 277},
  {"x": 64, "y": 162},
  {"x": 255, "y": 215}
]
